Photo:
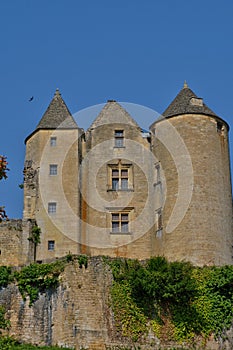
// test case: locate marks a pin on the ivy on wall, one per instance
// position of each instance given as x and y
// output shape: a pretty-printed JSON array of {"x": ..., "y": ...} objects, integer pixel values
[
  {"x": 37, "y": 278},
  {"x": 176, "y": 300}
]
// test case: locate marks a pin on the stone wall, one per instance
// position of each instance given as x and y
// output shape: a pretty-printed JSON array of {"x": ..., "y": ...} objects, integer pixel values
[
  {"x": 15, "y": 248},
  {"x": 77, "y": 314}
]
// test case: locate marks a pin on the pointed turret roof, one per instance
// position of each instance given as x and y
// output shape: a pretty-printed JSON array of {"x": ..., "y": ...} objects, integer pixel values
[
  {"x": 57, "y": 115},
  {"x": 112, "y": 113},
  {"x": 186, "y": 102}
]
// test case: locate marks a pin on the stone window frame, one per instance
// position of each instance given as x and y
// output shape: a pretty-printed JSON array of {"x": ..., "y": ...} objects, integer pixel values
[
  {"x": 123, "y": 216},
  {"x": 53, "y": 169},
  {"x": 52, "y": 208},
  {"x": 51, "y": 245},
  {"x": 119, "y": 138},
  {"x": 120, "y": 168}
]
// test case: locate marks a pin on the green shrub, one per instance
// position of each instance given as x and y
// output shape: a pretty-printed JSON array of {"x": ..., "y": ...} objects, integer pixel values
[
  {"x": 36, "y": 278},
  {"x": 191, "y": 301},
  {"x": 5, "y": 276}
]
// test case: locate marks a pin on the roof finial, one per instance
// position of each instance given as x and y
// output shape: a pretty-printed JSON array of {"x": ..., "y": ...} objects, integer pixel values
[
  {"x": 57, "y": 92},
  {"x": 185, "y": 85}
]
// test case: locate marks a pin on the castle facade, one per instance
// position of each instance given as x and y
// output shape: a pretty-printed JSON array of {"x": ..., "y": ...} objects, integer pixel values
[{"x": 119, "y": 190}]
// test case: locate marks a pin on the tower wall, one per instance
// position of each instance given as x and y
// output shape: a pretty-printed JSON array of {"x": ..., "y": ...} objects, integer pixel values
[
  {"x": 42, "y": 188},
  {"x": 204, "y": 234},
  {"x": 101, "y": 200}
]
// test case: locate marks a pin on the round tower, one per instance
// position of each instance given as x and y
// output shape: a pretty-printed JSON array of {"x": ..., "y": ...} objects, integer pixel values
[
  {"x": 51, "y": 183},
  {"x": 191, "y": 143}
]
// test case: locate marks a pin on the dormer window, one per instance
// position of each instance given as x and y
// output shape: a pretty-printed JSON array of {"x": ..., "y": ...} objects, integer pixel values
[
  {"x": 119, "y": 138},
  {"x": 195, "y": 101}
]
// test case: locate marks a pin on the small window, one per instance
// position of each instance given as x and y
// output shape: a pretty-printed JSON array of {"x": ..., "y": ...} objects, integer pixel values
[
  {"x": 119, "y": 138},
  {"x": 51, "y": 245},
  {"x": 53, "y": 169},
  {"x": 120, "y": 222},
  {"x": 53, "y": 141},
  {"x": 157, "y": 174},
  {"x": 52, "y": 207}
]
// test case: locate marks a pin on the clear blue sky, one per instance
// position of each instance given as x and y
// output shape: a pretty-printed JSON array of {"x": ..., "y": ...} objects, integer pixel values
[{"x": 129, "y": 50}]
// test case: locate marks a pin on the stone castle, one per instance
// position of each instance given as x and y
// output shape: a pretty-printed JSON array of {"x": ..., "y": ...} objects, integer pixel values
[{"x": 122, "y": 191}]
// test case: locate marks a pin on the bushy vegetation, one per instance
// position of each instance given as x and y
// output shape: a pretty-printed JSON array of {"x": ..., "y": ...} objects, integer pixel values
[
  {"x": 7, "y": 343},
  {"x": 176, "y": 300},
  {"x": 37, "y": 278},
  {"x": 5, "y": 276}
]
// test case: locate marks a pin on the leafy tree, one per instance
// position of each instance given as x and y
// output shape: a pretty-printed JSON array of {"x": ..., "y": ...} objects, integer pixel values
[{"x": 3, "y": 167}]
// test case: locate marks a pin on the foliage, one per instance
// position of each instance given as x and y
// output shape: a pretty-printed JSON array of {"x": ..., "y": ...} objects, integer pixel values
[
  {"x": 36, "y": 278},
  {"x": 3, "y": 167},
  {"x": 82, "y": 260},
  {"x": 130, "y": 320},
  {"x": 175, "y": 299},
  {"x": 7, "y": 343},
  {"x": 35, "y": 235},
  {"x": 5, "y": 276},
  {"x": 4, "y": 324}
]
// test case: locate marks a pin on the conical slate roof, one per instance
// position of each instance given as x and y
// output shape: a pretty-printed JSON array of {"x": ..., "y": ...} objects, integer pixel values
[
  {"x": 186, "y": 102},
  {"x": 57, "y": 115},
  {"x": 112, "y": 113}
]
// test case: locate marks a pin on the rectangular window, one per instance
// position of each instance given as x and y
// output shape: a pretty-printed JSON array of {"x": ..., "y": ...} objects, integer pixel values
[
  {"x": 52, "y": 207},
  {"x": 51, "y": 245},
  {"x": 120, "y": 222},
  {"x": 120, "y": 179},
  {"x": 119, "y": 138},
  {"x": 53, "y": 141},
  {"x": 53, "y": 169},
  {"x": 115, "y": 179}
]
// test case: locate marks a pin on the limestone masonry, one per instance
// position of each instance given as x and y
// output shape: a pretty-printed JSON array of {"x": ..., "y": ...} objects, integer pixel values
[{"x": 119, "y": 190}]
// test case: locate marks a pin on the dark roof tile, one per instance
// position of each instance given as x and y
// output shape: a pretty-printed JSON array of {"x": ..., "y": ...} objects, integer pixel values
[
  {"x": 57, "y": 115},
  {"x": 186, "y": 102}
]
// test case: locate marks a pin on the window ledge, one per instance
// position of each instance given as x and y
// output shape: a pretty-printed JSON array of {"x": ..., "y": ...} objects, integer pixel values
[
  {"x": 120, "y": 190},
  {"x": 120, "y": 233},
  {"x": 119, "y": 147}
]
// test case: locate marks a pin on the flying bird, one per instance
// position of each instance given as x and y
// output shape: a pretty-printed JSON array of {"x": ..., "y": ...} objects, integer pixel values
[{"x": 31, "y": 98}]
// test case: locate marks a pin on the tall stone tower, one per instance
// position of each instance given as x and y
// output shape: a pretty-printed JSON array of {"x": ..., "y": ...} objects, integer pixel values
[
  {"x": 191, "y": 143},
  {"x": 51, "y": 187}
]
